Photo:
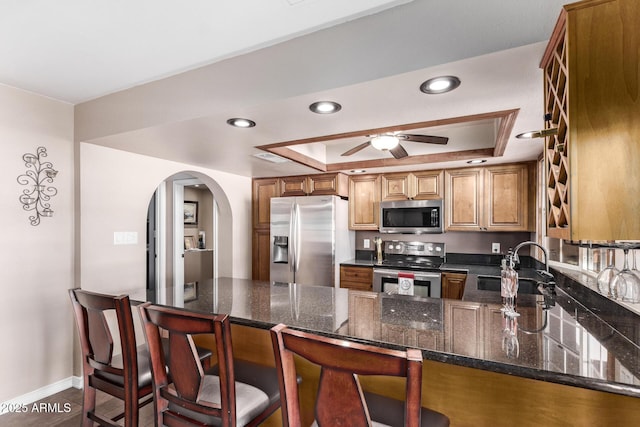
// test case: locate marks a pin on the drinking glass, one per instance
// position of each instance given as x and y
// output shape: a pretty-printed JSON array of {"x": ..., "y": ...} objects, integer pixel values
[
  {"x": 510, "y": 343},
  {"x": 632, "y": 293},
  {"x": 509, "y": 287},
  {"x": 607, "y": 274},
  {"x": 625, "y": 281}
]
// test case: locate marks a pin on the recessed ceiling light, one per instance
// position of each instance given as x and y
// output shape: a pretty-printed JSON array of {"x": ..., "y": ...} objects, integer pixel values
[
  {"x": 476, "y": 161},
  {"x": 440, "y": 85},
  {"x": 241, "y": 123},
  {"x": 325, "y": 107}
]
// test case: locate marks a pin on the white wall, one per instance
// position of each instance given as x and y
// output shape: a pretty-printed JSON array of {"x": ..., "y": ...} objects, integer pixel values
[
  {"x": 36, "y": 323},
  {"x": 116, "y": 188}
]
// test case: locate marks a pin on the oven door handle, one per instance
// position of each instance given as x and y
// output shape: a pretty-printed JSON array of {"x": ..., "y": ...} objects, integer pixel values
[
  {"x": 385, "y": 273},
  {"x": 423, "y": 275},
  {"x": 417, "y": 275}
]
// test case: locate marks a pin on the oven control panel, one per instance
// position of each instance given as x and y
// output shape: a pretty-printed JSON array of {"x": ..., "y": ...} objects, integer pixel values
[{"x": 414, "y": 248}]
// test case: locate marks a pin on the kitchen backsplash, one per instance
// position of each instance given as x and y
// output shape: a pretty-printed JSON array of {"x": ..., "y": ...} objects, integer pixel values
[{"x": 456, "y": 242}]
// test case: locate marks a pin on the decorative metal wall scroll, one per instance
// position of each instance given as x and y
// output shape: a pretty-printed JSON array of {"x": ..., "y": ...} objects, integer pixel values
[{"x": 36, "y": 197}]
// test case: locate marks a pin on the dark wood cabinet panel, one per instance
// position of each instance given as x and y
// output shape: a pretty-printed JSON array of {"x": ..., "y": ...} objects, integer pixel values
[
  {"x": 453, "y": 285},
  {"x": 360, "y": 278},
  {"x": 261, "y": 254}
]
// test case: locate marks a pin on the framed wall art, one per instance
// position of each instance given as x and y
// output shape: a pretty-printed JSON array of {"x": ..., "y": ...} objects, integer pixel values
[{"x": 190, "y": 212}]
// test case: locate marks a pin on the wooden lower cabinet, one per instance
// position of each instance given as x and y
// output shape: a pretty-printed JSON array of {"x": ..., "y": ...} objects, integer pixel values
[
  {"x": 412, "y": 337},
  {"x": 364, "y": 314},
  {"x": 359, "y": 278},
  {"x": 467, "y": 340},
  {"x": 482, "y": 335},
  {"x": 494, "y": 346},
  {"x": 261, "y": 253},
  {"x": 468, "y": 396},
  {"x": 453, "y": 285}
]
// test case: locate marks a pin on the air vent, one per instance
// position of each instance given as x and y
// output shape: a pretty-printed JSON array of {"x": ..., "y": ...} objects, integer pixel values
[{"x": 270, "y": 157}]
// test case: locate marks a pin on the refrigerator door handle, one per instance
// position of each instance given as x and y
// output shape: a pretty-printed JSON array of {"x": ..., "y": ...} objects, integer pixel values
[
  {"x": 292, "y": 237},
  {"x": 298, "y": 239}
]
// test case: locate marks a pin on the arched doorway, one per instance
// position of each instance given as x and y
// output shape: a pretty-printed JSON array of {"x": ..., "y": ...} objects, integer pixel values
[{"x": 183, "y": 250}]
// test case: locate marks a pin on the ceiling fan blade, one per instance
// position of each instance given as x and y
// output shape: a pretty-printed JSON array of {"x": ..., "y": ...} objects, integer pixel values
[
  {"x": 429, "y": 139},
  {"x": 399, "y": 152},
  {"x": 356, "y": 149}
]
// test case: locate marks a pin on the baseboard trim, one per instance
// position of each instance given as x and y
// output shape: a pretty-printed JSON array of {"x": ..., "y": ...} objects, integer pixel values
[
  {"x": 40, "y": 393},
  {"x": 77, "y": 382}
]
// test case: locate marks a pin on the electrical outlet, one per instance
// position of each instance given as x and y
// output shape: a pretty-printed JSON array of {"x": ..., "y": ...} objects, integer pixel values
[
  {"x": 366, "y": 244},
  {"x": 495, "y": 248}
]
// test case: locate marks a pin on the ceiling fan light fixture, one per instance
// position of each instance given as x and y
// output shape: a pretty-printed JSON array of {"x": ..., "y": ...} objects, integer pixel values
[
  {"x": 325, "y": 107},
  {"x": 241, "y": 123},
  {"x": 385, "y": 142},
  {"x": 440, "y": 84}
]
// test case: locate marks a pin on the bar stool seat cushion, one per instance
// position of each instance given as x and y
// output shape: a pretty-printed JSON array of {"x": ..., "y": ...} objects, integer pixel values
[
  {"x": 144, "y": 368},
  {"x": 388, "y": 411},
  {"x": 250, "y": 401},
  {"x": 263, "y": 377}
]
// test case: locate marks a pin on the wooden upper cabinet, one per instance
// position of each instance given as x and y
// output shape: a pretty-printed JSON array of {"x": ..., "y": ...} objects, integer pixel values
[
  {"x": 591, "y": 92},
  {"x": 263, "y": 190},
  {"x": 364, "y": 202},
  {"x": 428, "y": 185},
  {"x": 507, "y": 196},
  {"x": 294, "y": 186},
  {"x": 412, "y": 185},
  {"x": 464, "y": 199},
  {"x": 315, "y": 185},
  {"x": 495, "y": 198},
  {"x": 395, "y": 186},
  {"x": 329, "y": 184}
]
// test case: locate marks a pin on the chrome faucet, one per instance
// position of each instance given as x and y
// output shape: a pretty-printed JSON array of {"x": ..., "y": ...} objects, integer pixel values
[
  {"x": 546, "y": 288},
  {"x": 549, "y": 280},
  {"x": 516, "y": 259}
]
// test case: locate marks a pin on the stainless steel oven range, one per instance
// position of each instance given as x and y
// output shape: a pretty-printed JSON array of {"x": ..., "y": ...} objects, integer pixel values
[{"x": 410, "y": 268}]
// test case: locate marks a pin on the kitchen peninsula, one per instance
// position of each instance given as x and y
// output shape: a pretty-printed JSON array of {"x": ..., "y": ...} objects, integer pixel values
[{"x": 477, "y": 366}]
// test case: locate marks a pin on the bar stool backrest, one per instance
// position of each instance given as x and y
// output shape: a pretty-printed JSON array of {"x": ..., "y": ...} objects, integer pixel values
[{"x": 340, "y": 399}]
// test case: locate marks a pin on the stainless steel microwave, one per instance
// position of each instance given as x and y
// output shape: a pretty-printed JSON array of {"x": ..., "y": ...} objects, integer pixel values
[{"x": 411, "y": 216}]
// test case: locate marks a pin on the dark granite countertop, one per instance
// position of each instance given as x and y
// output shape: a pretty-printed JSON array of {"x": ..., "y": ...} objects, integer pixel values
[{"x": 576, "y": 347}]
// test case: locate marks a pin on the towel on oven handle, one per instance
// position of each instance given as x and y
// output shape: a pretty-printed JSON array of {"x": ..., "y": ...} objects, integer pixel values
[{"x": 405, "y": 283}]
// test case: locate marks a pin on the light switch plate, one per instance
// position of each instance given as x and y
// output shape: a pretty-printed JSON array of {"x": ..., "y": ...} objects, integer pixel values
[
  {"x": 366, "y": 243},
  {"x": 125, "y": 237}
]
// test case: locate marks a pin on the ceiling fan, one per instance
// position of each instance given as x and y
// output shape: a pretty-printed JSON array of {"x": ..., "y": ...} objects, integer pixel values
[{"x": 391, "y": 142}]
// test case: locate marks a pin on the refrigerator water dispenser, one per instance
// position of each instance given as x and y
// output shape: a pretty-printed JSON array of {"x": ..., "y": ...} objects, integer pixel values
[{"x": 280, "y": 249}]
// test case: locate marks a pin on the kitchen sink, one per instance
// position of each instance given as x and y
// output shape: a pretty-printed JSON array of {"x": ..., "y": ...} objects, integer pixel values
[{"x": 492, "y": 283}]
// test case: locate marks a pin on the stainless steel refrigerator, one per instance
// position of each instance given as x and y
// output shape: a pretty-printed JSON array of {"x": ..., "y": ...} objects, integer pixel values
[{"x": 310, "y": 237}]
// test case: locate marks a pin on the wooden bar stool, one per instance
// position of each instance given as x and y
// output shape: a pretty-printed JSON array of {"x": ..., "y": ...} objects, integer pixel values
[
  {"x": 340, "y": 399},
  {"x": 184, "y": 393},
  {"x": 126, "y": 376}
]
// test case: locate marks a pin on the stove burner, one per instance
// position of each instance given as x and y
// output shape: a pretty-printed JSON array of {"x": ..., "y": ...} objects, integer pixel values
[{"x": 413, "y": 255}]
